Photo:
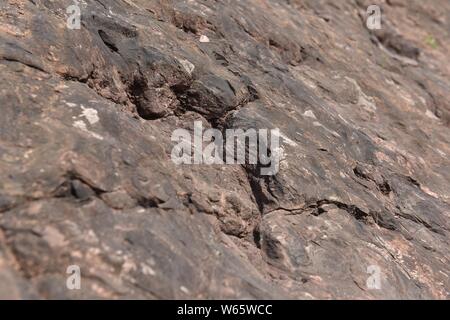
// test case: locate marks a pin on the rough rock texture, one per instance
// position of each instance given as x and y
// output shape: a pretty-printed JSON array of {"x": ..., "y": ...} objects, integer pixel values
[{"x": 86, "y": 176}]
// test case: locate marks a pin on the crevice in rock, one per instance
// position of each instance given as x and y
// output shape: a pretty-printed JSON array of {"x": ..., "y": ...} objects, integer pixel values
[
  {"x": 259, "y": 194},
  {"x": 318, "y": 207},
  {"x": 108, "y": 41},
  {"x": 25, "y": 63},
  {"x": 381, "y": 183},
  {"x": 417, "y": 220},
  {"x": 436, "y": 110}
]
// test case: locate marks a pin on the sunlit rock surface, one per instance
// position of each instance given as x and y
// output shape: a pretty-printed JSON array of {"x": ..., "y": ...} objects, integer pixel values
[{"x": 86, "y": 176}]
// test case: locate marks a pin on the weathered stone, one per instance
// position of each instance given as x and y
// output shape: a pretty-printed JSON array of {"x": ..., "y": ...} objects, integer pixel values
[{"x": 86, "y": 177}]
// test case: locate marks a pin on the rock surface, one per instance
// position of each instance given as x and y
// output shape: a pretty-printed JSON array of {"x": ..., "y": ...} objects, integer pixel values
[{"x": 86, "y": 176}]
